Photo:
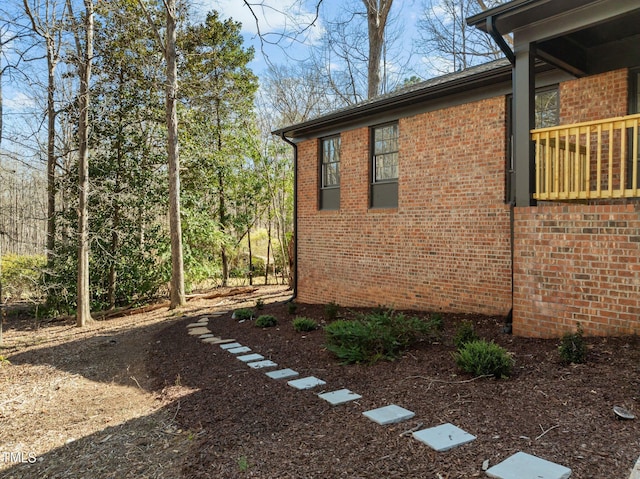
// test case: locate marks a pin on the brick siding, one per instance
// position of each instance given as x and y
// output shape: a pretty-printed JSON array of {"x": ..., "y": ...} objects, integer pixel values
[
  {"x": 446, "y": 246},
  {"x": 577, "y": 264}
]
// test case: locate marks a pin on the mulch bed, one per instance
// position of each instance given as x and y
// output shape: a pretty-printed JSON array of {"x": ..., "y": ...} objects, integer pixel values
[{"x": 245, "y": 424}]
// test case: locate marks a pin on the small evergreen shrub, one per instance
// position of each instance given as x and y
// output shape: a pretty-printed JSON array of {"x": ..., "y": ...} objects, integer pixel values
[
  {"x": 302, "y": 324},
  {"x": 243, "y": 314},
  {"x": 483, "y": 358},
  {"x": 292, "y": 307},
  {"x": 376, "y": 335},
  {"x": 331, "y": 310},
  {"x": 260, "y": 303},
  {"x": 266, "y": 321},
  {"x": 438, "y": 322},
  {"x": 465, "y": 333},
  {"x": 573, "y": 348}
]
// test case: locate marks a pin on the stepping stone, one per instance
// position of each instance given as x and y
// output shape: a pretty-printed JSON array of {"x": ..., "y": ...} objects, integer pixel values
[
  {"x": 340, "y": 396},
  {"x": 205, "y": 336},
  {"x": 525, "y": 466},
  {"x": 230, "y": 345},
  {"x": 267, "y": 363},
  {"x": 194, "y": 325},
  {"x": 250, "y": 358},
  {"x": 203, "y": 320},
  {"x": 241, "y": 349},
  {"x": 282, "y": 374},
  {"x": 306, "y": 383},
  {"x": 389, "y": 414},
  {"x": 198, "y": 331},
  {"x": 635, "y": 474},
  {"x": 219, "y": 313},
  {"x": 443, "y": 437},
  {"x": 216, "y": 340}
]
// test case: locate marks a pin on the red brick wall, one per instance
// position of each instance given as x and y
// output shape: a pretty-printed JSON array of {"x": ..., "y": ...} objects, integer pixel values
[
  {"x": 446, "y": 246},
  {"x": 577, "y": 263},
  {"x": 595, "y": 97}
]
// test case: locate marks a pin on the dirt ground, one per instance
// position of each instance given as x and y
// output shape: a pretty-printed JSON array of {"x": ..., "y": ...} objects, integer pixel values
[{"x": 137, "y": 397}]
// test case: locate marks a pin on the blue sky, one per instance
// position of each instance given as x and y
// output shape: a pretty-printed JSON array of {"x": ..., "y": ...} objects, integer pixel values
[{"x": 277, "y": 16}]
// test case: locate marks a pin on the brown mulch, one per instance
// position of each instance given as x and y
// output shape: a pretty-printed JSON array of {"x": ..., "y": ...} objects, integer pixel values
[{"x": 243, "y": 424}]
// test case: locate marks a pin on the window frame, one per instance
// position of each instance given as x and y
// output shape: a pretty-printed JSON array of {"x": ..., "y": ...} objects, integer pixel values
[
  {"x": 383, "y": 191},
  {"x": 329, "y": 194}
]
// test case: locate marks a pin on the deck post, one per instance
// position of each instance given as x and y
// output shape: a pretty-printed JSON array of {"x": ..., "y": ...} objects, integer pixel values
[{"x": 524, "y": 88}]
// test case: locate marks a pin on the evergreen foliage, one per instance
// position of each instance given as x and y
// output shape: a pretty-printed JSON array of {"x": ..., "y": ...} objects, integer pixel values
[
  {"x": 483, "y": 358},
  {"x": 378, "y": 335}
]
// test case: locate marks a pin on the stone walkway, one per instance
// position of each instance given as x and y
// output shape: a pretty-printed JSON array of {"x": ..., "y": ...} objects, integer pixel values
[{"x": 440, "y": 437}]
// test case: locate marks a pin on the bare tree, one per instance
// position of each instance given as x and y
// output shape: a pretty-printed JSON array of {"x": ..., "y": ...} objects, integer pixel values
[
  {"x": 168, "y": 47},
  {"x": 447, "y": 42},
  {"x": 47, "y": 23},
  {"x": 84, "y": 51},
  {"x": 377, "y": 14}
]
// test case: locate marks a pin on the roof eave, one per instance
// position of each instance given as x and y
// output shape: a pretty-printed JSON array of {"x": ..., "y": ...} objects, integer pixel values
[{"x": 396, "y": 102}]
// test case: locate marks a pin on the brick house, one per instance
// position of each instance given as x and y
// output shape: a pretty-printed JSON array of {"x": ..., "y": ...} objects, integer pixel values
[{"x": 511, "y": 186}]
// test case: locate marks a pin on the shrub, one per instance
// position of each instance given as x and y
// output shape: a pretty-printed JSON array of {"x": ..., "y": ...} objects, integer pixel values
[
  {"x": 21, "y": 276},
  {"x": 266, "y": 321},
  {"x": 482, "y": 358},
  {"x": 464, "y": 334},
  {"x": 302, "y": 324},
  {"x": 260, "y": 303},
  {"x": 243, "y": 314},
  {"x": 374, "y": 336},
  {"x": 331, "y": 310},
  {"x": 292, "y": 307},
  {"x": 573, "y": 348},
  {"x": 438, "y": 322}
]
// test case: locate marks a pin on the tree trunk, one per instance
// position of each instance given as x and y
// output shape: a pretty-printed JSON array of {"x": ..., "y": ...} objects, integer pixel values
[
  {"x": 177, "y": 297},
  {"x": 84, "y": 299},
  {"x": 266, "y": 266},
  {"x": 377, "y": 12},
  {"x": 250, "y": 257},
  {"x": 51, "y": 154}
]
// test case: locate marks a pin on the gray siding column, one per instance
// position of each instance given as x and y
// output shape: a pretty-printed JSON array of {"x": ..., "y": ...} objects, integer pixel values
[{"x": 524, "y": 90}]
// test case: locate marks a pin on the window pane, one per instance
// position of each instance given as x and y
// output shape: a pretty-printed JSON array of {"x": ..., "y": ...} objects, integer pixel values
[
  {"x": 386, "y": 167},
  {"x": 547, "y": 108},
  {"x": 330, "y": 162},
  {"x": 385, "y": 153},
  {"x": 330, "y": 175}
]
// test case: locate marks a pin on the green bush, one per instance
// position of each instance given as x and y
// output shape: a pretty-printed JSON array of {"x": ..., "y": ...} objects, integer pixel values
[
  {"x": 465, "y": 333},
  {"x": 292, "y": 307},
  {"x": 374, "y": 336},
  {"x": 259, "y": 303},
  {"x": 483, "y": 358},
  {"x": 266, "y": 321},
  {"x": 573, "y": 348},
  {"x": 302, "y": 324},
  {"x": 21, "y": 276},
  {"x": 243, "y": 314},
  {"x": 331, "y": 310}
]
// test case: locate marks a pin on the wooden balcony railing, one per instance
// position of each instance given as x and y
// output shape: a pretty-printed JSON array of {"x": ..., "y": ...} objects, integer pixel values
[{"x": 596, "y": 159}]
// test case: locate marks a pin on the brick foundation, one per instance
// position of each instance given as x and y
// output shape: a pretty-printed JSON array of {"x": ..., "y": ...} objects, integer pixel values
[{"x": 577, "y": 264}]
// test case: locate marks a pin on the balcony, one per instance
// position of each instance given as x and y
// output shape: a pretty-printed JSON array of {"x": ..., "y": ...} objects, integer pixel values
[{"x": 592, "y": 160}]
